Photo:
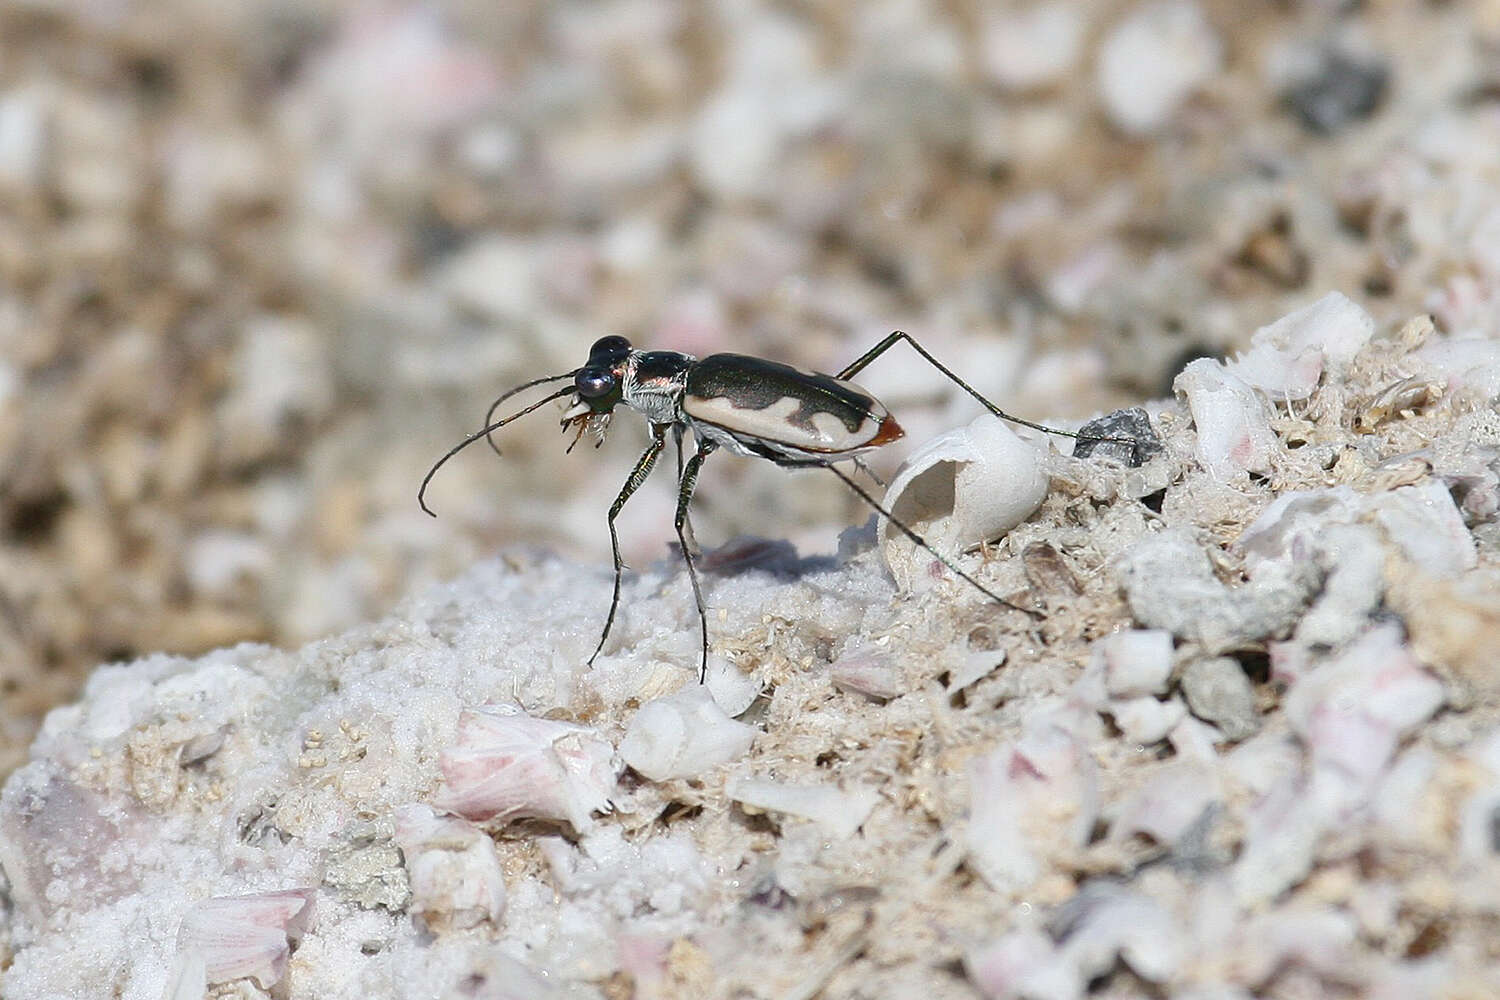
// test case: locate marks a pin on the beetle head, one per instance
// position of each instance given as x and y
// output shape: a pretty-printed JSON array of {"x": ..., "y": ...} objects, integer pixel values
[
  {"x": 598, "y": 382},
  {"x": 598, "y": 387}
]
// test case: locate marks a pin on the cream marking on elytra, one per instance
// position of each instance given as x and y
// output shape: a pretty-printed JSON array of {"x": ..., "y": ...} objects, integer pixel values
[
  {"x": 822, "y": 432},
  {"x": 748, "y": 406}
]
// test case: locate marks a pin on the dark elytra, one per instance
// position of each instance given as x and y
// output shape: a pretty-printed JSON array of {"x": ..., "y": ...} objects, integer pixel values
[{"x": 756, "y": 384}]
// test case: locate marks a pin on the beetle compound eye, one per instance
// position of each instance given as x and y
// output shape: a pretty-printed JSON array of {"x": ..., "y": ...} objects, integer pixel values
[
  {"x": 594, "y": 384},
  {"x": 612, "y": 345}
]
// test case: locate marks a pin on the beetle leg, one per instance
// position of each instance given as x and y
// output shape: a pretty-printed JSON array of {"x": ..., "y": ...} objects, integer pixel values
[
  {"x": 920, "y": 541},
  {"x": 637, "y": 476},
  {"x": 691, "y": 542},
  {"x": 859, "y": 464},
  {"x": 684, "y": 495},
  {"x": 864, "y": 360}
]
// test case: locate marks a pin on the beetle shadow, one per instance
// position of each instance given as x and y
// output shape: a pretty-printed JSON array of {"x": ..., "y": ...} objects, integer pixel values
[{"x": 749, "y": 554}]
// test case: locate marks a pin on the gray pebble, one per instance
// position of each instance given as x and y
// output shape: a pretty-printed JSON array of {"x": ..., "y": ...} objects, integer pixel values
[{"x": 1218, "y": 691}]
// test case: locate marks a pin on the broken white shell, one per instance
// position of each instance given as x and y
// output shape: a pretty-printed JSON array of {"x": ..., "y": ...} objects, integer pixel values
[
  {"x": 1145, "y": 720},
  {"x": 1169, "y": 803},
  {"x": 1423, "y": 520},
  {"x": 683, "y": 735},
  {"x": 733, "y": 689},
  {"x": 1028, "y": 798},
  {"x": 507, "y": 765},
  {"x": 868, "y": 671},
  {"x": 1023, "y": 963},
  {"x": 962, "y": 488},
  {"x": 1352, "y": 710},
  {"x": 1286, "y": 359},
  {"x": 454, "y": 871},
  {"x": 839, "y": 813},
  {"x": 234, "y": 937},
  {"x": 1468, "y": 365},
  {"x": 1107, "y": 922},
  {"x": 1135, "y": 662},
  {"x": 1234, "y": 433},
  {"x": 1319, "y": 939}
]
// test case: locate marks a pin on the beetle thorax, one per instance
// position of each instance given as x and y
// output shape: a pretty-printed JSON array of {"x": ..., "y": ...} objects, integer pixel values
[{"x": 654, "y": 383}]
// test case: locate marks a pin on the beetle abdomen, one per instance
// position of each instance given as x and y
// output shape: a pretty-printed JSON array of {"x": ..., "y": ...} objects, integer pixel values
[{"x": 791, "y": 410}]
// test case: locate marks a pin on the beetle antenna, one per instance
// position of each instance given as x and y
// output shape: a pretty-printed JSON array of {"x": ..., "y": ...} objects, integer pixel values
[
  {"x": 484, "y": 432},
  {"x": 918, "y": 540},
  {"x": 489, "y": 414}
]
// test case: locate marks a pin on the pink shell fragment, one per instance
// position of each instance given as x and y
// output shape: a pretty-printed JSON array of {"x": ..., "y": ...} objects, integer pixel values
[
  {"x": 1027, "y": 799},
  {"x": 245, "y": 936},
  {"x": 508, "y": 765},
  {"x": 1353, "y": 710},
  {"x": 1234, "y": 432},
  {"x": 1287, "y": 358}
]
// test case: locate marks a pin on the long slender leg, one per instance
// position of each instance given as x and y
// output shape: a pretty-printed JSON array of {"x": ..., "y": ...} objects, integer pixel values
[
  {"x": 689, "y": 541},
  {"x": 919, "y": 540},
  {"x": 637, "y": 476},
  {"x": 684, "y": 495},
  {"x": 864, "y": 360}
]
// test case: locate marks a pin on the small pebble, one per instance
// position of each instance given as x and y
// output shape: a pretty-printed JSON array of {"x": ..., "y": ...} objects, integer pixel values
[
  {"x": 1218, "y": 691},
  {"x": 1341, "y": 89},
  {"x": 1133, "y": 425}
]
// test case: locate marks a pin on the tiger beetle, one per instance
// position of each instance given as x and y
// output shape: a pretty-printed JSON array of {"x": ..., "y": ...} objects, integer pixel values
[{"x": 748, "y": 406}]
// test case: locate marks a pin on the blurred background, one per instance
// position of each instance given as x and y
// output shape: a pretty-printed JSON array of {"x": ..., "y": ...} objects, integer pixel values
[{"x": 262, "y": 262}]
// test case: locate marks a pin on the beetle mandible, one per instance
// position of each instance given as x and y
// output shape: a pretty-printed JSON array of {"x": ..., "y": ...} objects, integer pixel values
[{"x": 746, "y": 405}]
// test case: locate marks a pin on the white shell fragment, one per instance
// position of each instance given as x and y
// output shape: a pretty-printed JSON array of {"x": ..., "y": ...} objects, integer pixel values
[
  {"x": 1352, "y": 589},
  {"x": 236, "y": 937},
  {"x": 1026, "y": 799},
  {"x": 1170, "y": 803},
  {"x": 1423, "y": 520},
  {"x": 1351, "y": 711},
  {"x": 1282, "y": 832},
  {"x": 1468, "y": 366},
  {"x": 683, "y": 735},
  {"x": 1105, "y": 922},
  {"x": 1101, "y": 924},
  {"x": 1125, "y": 673},
  {"x": 871, "y": 672},
  {"x": 1287, "y": 358},
  {"x": 1145, "y": 720},
  {"x": 507, "y": 765},
  {"x": 1022, "y": 964},
  {"x": 454, "y": 871},
  {"x": 962, "y": 488},
  {"x": 1135, "y": 662},
  {"x": 1294, "y": 521},
  {"x": 732, "y": 688},
  {"x": 838, "y": 812},
  {"x": 1318, "y": 528},
  {"x": 1318, "y": 939},
  {"x": 1234, "y": 432}
]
